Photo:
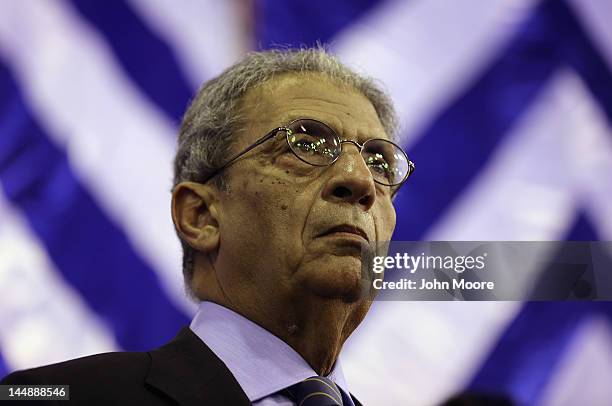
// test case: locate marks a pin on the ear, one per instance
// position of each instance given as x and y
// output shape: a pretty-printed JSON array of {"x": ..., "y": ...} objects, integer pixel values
[{"x": 195, "y": 216}]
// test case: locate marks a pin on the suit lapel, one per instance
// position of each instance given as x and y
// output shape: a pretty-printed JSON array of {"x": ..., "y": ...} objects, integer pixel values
[{"x": 189, "y": 372}]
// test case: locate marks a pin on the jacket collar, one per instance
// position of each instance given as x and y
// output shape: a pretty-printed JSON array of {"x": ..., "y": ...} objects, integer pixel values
[{"x": 189, "y": 372}]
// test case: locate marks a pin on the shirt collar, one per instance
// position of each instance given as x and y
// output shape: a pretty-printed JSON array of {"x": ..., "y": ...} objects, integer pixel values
[{"x": 262, "y": 363}]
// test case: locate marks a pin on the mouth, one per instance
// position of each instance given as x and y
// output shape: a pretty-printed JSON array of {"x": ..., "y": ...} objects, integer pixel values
[{"x": 347, "y": 230}]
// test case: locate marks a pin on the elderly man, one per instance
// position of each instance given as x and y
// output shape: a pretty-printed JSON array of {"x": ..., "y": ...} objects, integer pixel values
[{"x": 285, "y": 168}]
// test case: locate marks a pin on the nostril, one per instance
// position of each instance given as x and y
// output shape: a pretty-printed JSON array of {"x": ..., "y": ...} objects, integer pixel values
[
  {"x": 342, "y": 192},
  {"x": 365, "y": 201}
]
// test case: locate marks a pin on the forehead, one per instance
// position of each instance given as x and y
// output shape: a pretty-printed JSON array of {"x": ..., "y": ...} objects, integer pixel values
[{"x": 288, "y": 97}]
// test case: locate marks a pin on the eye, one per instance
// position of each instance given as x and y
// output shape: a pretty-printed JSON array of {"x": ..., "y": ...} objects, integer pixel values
[
  {"x": 313, "y": 142},
  {"x": 305, "y": 146},
  {"x": 378, "y": 165}
]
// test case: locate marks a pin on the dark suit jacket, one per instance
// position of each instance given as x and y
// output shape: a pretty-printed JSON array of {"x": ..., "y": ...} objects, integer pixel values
[{"x": 183, "y": 372}]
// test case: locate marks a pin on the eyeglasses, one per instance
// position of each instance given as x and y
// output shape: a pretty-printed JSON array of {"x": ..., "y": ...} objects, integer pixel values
[{"x": 315, "y": 143}]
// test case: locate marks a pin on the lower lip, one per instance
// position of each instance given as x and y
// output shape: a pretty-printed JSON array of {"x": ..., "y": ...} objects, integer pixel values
[{"x": 347, "y": 235}]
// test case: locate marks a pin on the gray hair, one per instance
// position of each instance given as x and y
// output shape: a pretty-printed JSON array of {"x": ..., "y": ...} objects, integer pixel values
[{"x": 209, "y": 126}]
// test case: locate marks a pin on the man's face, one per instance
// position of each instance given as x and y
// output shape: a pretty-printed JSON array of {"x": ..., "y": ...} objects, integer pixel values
[{"x": 288, "y": 228}]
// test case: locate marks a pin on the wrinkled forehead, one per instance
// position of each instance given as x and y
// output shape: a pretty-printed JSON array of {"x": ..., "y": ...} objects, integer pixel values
[{"x": 288, "y": 97}]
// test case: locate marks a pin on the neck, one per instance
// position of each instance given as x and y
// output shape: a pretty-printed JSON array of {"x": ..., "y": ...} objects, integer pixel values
[
  {"x": 318, "y": 331},
  {"x": 316, "y": 328}
]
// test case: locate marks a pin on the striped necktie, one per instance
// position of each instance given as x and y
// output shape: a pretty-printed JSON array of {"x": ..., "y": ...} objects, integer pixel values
[{"x": 315, "y": 391}]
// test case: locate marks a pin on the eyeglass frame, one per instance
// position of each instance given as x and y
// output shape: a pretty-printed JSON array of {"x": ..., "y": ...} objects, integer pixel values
[{"x": 285, "y": 129}]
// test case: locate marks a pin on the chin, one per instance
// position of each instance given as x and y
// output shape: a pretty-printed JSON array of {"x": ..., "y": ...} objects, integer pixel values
[{"x": 343, "y": 281}]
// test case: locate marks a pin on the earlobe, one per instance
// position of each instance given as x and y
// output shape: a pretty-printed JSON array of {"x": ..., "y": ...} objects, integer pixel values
[{"x": 194, "y": 215}]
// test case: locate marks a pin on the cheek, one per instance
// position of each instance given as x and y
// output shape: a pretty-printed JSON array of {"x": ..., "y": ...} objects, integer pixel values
[
  {"x": 295, "y": 171},
  {"x": 386, "y": 222},
  {"x": 272, "y": 209}
]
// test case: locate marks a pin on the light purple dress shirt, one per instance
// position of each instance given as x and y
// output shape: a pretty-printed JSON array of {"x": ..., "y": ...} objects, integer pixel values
[{"x": 262, "y": 363}]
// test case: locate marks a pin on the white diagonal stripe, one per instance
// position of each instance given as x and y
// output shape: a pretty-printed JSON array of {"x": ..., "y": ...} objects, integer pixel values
[
  {"x": 553, "y": 163},
  {"x": 420, "y": 353},
  {"x": 119, "y": 143},
  {"x": 595, "y": 17},
  {"x": 425, "y": 52},
  {"x": 42, "y": 319},
  {"x": 582, "y": 377},
  {"x": 207, "y": 36}
]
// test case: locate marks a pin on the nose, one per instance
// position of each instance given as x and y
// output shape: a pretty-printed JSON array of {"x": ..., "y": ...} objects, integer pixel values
[{"x": 350, "y": 180}]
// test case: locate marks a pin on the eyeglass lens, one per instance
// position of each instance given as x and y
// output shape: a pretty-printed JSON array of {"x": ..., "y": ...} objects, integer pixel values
[{"x": 317, "y": 144}]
